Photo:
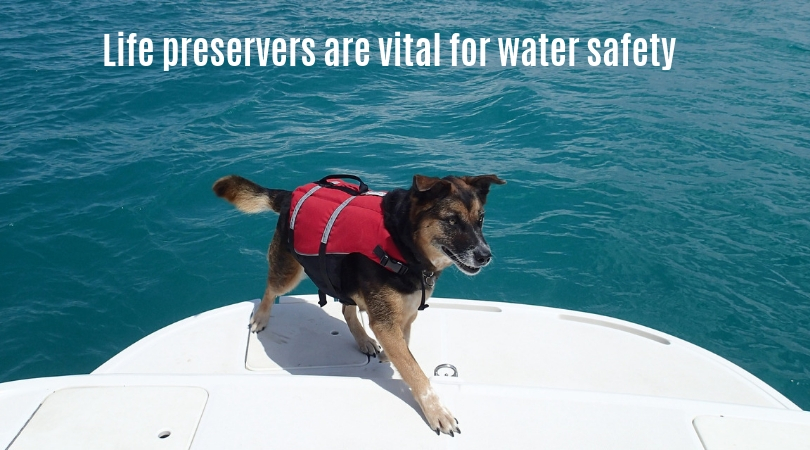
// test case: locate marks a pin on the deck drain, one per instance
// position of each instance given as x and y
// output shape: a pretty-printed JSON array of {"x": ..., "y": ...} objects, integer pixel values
[
  {"x": 164, "y": 434},
  {"x": 335, "y": 333}
]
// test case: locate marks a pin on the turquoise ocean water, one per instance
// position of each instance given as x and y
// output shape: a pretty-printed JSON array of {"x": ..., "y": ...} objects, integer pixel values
[{"x": 675, "y": 199}]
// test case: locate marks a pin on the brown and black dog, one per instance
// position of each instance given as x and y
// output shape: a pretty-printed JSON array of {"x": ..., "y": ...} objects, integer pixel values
[{"x": 435, "y": 224}]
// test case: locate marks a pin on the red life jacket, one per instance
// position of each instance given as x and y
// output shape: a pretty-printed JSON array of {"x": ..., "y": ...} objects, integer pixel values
[{"x": 330, "y": 219}]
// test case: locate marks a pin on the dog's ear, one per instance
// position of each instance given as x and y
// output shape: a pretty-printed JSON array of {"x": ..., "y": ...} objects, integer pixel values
[
  {"x": 430, "y": 186},
  {"x": 481, "y": 184}
]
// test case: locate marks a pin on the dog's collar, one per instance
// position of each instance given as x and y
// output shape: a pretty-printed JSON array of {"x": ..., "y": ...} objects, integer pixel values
[{"x": 428, "y": 278}]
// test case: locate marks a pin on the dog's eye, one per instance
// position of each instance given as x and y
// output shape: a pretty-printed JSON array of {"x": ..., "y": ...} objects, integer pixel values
[
  {"x": 452, "y": 221},
  {"x": 481, "y": 220}
]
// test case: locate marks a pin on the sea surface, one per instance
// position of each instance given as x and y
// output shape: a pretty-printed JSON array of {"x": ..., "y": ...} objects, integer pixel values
[{"x": 675, "y": 199}]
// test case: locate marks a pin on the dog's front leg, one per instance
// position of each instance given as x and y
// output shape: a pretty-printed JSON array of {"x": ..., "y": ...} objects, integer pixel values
[
  {"x": 439, "y": 418},
  {"x": 366, "y": 344}
]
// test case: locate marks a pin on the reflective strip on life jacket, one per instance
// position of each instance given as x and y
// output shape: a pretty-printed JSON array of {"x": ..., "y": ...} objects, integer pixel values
[
  {"x": 333, "y": 218},
  {"x": 299, "y": 204}
]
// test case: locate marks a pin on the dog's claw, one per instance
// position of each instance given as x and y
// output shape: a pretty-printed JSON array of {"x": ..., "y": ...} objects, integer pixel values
[
  {"x": 451, "y": 434},
  {"x": 437, "y": 431}
]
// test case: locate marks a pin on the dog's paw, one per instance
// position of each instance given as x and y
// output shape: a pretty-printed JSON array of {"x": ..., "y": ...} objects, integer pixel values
[
  {"x": 369, "y": 346},
  {"x": 439, "y": 418},
  {"x": 259, "y": 321}
]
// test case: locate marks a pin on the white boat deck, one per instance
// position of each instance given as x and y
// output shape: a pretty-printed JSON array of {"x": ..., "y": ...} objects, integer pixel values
[{"x": 527, "y": 377}]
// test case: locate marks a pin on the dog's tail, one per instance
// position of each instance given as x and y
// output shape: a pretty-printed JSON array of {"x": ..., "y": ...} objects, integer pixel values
[{"x": 248, "y": 196}]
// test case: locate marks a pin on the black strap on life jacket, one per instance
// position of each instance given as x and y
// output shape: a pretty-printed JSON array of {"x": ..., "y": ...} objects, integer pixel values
[
  {"x": 401, "y": 269},
  {"x": 324, "y": 182},
  {"x": 325, "y": 238}
]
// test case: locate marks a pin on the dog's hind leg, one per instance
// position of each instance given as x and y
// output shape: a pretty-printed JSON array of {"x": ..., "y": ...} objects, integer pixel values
[
  {"x": 366, "y": 344},
  {"x": 283, "y": 276}
]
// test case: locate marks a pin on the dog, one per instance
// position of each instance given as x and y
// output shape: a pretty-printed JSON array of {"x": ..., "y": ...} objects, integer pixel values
[{"x": 435, "y": 224}]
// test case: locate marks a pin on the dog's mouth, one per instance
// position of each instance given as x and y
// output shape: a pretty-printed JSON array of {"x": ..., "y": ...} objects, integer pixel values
[{"x": 469, "y": 270}]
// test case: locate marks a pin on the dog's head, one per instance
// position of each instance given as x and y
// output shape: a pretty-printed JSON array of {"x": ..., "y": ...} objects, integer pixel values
[{"x": 448, "y": 215}]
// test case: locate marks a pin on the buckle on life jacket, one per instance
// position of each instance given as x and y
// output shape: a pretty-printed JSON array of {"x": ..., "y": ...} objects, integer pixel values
[
  {"x": 397, "y": 267},
  {"x": 390, "y": 264}
]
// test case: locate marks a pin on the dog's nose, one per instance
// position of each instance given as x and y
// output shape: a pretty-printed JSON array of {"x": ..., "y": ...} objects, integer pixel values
[{"x": 482, "y": 256}]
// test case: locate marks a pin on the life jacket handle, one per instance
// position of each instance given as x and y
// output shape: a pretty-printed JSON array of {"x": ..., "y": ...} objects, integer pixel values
[{"x": 363, "y": 188}]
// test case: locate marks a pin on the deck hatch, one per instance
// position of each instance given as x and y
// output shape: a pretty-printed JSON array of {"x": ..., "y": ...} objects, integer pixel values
[{"x": 160, "y": 417}]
